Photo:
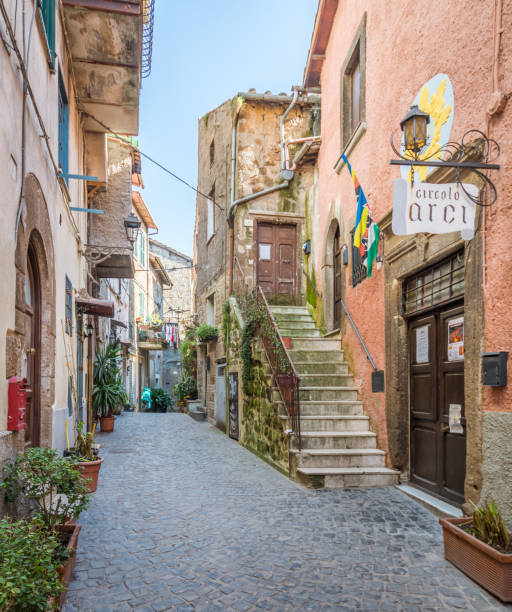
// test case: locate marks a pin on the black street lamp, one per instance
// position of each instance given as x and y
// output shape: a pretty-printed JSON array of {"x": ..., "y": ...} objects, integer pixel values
[
  {"x": 414, "y": 127},
  {"x": 132, "y": 225}
]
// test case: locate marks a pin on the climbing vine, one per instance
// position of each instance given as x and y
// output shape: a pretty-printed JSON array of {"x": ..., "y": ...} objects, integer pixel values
[{"x": 257, "y": 320}]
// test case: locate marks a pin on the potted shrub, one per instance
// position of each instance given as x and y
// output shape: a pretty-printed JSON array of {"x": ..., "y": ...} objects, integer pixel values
[
  {"x": 54, "y": 485},
  {"x": 207, "y": 333},
  {"x": 86, "y": 457},
  {"x": 108, "y": 391},
  {"x": 185, "y": 388},
  {"x": 481, "y": 547},
  {"x": 160, "y": 400},
  {"x": 31, "y": 568}
]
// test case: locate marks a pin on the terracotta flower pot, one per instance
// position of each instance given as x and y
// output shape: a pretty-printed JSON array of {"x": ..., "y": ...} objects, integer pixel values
[
  {"x": 481, "y": 562},
  {"x": 287, "y": 342},
  {"x": 66, "y": 570},
  {"x": 107, "y": 424},
  {"x": 89, "y": 472}
]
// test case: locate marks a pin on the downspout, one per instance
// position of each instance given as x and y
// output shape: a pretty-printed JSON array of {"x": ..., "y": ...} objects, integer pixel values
[
  {"x": 296, "y": 91},
  {"x": 286, "y": 174}
]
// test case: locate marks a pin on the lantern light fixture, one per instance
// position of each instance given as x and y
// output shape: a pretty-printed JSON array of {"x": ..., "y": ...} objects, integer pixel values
[
  {"x": 132, "y": 226},
  {"x": 414, "y": 127}
]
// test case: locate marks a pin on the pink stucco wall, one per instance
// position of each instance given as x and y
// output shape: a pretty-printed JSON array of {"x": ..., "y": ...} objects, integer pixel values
[{"x": 408, "y": 42}]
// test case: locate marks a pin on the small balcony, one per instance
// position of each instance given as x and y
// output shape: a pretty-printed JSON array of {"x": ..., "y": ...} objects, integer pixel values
[
  {"x": 106, "y": 44},
  {"x": 151, "y": 339}
]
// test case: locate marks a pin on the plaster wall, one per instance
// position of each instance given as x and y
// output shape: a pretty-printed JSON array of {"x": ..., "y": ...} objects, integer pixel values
[
  {"x": 46, "y": 212},
  {"x": 399, "y": 61}
]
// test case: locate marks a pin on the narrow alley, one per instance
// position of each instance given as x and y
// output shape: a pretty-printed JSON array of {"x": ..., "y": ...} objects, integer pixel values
[{"x": 184, "y": 518}]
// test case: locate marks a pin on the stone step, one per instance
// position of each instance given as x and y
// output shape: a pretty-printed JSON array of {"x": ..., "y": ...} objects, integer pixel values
[
  {"x": 336, "y": 439},
  {"x": 299, "y": 333},
  {"x": 315, "y": 355},
  {"x": 296, "y": 324},
  {"x": 278, "y": 309},
  {"x": 316, "y": 344},
  {"x": 326, "y": 380},
  {"x": 338, "y": 408},
  {"x": 341, "y": 478},
  {"x": 332, "y": 423},
  {"x": 309, "y": 394},
  {"x": 340, "y": 457},
  {"x": 321, "y": 367},
  {"x": 293, "y": 318}
]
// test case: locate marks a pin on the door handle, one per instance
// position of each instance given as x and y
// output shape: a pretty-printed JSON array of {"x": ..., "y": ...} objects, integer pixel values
[
  {"x": 285, "y": 261},
  {"x": 31, "y": 351},
  {"x": 444, "y": 427}
]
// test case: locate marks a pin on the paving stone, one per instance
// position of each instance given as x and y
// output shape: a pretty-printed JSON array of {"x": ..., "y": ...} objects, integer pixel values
[{"x": 193, "y": 521}]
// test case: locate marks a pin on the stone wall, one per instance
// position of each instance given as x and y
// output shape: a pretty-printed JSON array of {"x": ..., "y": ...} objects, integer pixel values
[{"x": 261, "y": 429}]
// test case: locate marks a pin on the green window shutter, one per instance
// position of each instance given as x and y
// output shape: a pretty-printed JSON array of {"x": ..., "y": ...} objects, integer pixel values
[
  {"x": 48, "y": 14},
  {"x": 68, "y": 308}
]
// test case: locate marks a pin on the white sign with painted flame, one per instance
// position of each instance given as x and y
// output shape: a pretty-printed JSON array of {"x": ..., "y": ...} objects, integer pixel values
[{"x": 433, "y": 208}]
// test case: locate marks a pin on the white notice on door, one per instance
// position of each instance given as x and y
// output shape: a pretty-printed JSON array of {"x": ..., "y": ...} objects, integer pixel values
[
  {"x": 456, "y": 339},
  {"x": 455, "y": 419},
  {"x": 422, "y": 344}
]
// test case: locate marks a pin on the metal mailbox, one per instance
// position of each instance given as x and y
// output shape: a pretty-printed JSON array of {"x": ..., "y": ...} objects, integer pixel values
[{"x": 17, "y": 411}]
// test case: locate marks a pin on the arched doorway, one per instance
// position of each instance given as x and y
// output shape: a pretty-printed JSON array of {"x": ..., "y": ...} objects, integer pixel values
[
  {"x": 336, "y": 268},
  {"x": 33, "y": 348}
]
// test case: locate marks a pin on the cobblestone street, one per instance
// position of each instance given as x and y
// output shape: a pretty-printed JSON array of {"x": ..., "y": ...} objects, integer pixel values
[{"x": 186, "y": 519}]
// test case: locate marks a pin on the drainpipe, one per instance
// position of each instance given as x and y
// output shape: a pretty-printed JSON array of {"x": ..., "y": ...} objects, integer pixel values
[
  {"x": 286, "y": 175},
  {"x": 296, "y": 91}
]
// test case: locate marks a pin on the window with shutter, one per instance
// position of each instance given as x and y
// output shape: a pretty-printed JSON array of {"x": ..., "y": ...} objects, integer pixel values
[
  {"x": 47, "y": 8},
  {"x": 63, "y": 127}
]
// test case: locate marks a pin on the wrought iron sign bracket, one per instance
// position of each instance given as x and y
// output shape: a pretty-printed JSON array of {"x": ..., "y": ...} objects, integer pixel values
[{"x": 474, "y": 144}]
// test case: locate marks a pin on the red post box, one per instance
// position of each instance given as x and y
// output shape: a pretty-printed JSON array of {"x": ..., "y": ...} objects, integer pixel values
[{"x": 16, "y": 416}]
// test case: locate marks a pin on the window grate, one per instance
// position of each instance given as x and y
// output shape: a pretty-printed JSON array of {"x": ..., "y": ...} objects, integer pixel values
[{"x": 441, "y": 282}]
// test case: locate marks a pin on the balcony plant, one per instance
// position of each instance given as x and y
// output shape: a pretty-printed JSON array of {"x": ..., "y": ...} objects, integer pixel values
[
  {"x": 108, "y": 391},
  {"x": 207, "y": 333},
  {"x": 481, "y": 547}
]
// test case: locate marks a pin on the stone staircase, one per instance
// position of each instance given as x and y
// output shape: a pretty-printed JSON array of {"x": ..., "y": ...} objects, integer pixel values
[{"x": 338, "y": 448}]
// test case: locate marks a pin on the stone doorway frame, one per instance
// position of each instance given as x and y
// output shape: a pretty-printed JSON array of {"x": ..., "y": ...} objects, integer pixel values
[
  {"x": 405, "y": 256},
  {"x": 334, "y": 221},
  {"x": 35, "y": 230}
]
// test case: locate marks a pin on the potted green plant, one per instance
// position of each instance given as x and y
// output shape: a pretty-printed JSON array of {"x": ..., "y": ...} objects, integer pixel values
[
  {"x": 185, "y": 388},
  {"x": 53, "y": 484},
  {"x": 160, "y": 400},
  {"x": 481, "y": 547},
  {"x": 85, "y": 456},
  {"x": 108, "y": 390},
  {"x": 31, "y": 568},
  {"x": 207, "y": 333}
]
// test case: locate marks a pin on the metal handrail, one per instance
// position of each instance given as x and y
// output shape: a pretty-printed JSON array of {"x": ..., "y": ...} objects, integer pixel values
[
  {"x": 285, "y": 375},
  {"x": 354, "y": 326},
  {"x": 239, "y": 274}
]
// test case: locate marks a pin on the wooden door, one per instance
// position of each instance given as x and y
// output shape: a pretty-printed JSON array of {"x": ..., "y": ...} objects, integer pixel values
[
  {"x": 438, "y": 424},
  {"x": 32, "y": 349},
  {"x": 337, "y": 279},
  {"x": 276, "y": 261}
]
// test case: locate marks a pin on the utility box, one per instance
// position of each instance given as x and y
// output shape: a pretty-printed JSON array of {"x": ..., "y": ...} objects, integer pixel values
[
  {"x": 17, "y": 404},
  {"x": 378, "y": 381},
  {"x": 494, "y": 369}
]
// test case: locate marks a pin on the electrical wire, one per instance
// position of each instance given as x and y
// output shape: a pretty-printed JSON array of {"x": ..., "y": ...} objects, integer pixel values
[{"x": 161, "y": 166}]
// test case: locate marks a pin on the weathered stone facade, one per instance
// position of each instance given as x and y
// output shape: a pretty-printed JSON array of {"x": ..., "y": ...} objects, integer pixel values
[{"x": 226, "y": 230}]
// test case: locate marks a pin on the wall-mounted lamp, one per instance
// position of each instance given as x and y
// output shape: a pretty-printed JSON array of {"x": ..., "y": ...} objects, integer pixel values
[
  {"x": 132, "y": 226},
  {"x": 89, "y": 330},
  {"x": 306, "y": 247},
  {"x": 344, "y": 254},
  {"x": 414, "y": 127}
]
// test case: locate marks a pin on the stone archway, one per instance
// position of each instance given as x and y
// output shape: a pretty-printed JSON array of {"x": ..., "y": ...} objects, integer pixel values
[
  {"x": 35, "y": 233},
  {"x": 334, "y": 224}
]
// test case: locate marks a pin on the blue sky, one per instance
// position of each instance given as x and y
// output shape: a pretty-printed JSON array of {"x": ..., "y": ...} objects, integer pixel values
[{"x": 204, "y": 52}]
